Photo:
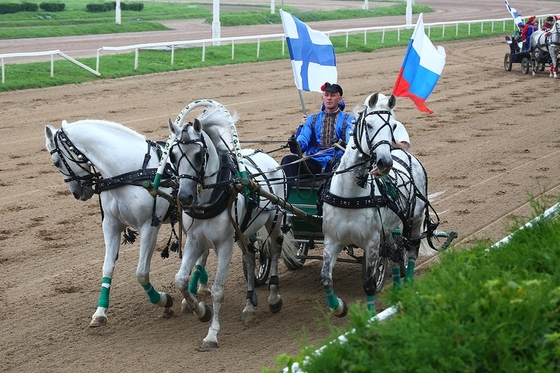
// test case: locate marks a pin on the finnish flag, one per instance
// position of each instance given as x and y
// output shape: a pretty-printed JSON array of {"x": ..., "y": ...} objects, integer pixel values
[
  {"x": 516, "y": 16},
  {"x": 311, "y": 53}
]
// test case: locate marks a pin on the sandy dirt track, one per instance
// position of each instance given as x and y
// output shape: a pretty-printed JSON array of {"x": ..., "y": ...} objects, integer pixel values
[{"x": 483, "y": 151}]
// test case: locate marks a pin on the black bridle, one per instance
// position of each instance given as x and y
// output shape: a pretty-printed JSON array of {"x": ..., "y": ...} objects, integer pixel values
[
  {"x": 361, "y": 129},
  {"x": 202, "y": 155},
  {"x": 66, "y": 149},
  {"x": 69, "y": 153}
]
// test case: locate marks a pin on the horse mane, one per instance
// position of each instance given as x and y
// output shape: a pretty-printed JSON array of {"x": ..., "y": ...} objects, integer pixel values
[
  {"x": 103, "y": 123},
  {"x": 217, "y": 122}
]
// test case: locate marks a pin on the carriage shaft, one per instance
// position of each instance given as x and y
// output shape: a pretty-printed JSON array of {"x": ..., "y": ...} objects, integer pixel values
[{"x": 274, "y": 199}]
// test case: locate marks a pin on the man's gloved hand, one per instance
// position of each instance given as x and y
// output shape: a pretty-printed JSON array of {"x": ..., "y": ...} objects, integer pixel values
[
  {"x": 292, "y": 142},
  {"x": 339, "y": 142}
]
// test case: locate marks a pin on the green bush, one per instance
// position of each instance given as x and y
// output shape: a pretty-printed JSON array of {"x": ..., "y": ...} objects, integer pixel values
[
  {"x": 15, "y": 8},
  {"x": 30, "y": 7},
  {"x": 107, "y": 7},
  {"x": 52, "y": 7},
  {"x": 98, "y": 8},
  {"x": 132, "y": 6}
]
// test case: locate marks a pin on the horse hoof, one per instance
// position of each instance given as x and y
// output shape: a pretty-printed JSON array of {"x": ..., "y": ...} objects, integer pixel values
[
  {"x": 167, "y": 313},
  {"x": 341, "y": 310},
  {"x": 209, "y": 345},
  {"x": 249, "y": 318},
  {"x": 97, "y": 321},
  {"x": 275, "y": 308},
  {"x": 207, "y": 315}
]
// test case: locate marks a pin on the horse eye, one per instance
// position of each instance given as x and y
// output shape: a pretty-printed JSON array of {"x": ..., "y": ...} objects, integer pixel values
[{"x": 57, "y": 164}]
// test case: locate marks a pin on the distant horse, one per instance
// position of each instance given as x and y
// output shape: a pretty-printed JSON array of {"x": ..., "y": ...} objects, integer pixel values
[
  {"x": 363, "y": 210},
  {"x": 546, "y": 42},
  {"x": 218, "y": 214},
  {"x": 106, "y": 158}
]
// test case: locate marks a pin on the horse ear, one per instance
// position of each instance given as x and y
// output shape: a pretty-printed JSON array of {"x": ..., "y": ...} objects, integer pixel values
[
  {"x": 392, "y": 101},
  {"x": 49, "y": 135},
  {"x": 373, "y": 99},
  {"x": 172, "y": 127},
  {"x": 197, "y": 125}
]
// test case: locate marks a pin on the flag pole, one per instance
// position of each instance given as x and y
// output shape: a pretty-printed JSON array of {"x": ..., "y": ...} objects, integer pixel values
[{"x": 302, "y": 102}]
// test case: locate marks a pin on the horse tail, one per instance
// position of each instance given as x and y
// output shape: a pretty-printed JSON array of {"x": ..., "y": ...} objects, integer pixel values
[
  {"x": 289, "y": 247},
  {"x": 289, "y": 244}
]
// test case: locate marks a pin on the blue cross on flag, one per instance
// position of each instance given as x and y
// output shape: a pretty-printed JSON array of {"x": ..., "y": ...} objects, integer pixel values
[
  {"x": 514, "y": 14},
  {"x": 311, "y": 52}
]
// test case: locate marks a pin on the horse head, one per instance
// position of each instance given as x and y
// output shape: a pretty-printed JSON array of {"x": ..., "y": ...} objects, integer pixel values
[
  {"x": 373, "y": 132},
  {"x": 196, "y": 160},
  {"x": 75, "y": 167}
]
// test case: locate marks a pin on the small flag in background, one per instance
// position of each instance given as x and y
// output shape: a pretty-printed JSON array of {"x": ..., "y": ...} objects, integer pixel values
[
  {"x": 311, "y": 52},
  {"x": 421, "y": 68},
  {"x": 516, "y": 16}
]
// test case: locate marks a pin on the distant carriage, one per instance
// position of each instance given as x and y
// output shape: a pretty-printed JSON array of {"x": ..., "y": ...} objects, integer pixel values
[{"x": 543, "y": 52}]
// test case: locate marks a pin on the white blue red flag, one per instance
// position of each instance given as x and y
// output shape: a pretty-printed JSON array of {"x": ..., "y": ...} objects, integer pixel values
[
  {"x": 516, "y": 16},
  {"x": 421, "y": 68},
  {"x": 311, "y": 52}
]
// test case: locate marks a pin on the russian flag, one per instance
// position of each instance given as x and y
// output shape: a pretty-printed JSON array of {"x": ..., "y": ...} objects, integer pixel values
[
  {"x": 311, "y": 53},
  {"x": 421, "y": 68}
]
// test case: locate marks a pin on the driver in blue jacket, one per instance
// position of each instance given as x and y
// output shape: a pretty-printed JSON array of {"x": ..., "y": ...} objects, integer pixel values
[{"x": 316, "y": 137}]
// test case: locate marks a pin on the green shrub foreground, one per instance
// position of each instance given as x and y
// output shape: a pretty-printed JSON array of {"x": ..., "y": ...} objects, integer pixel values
[{"x": 480, "y": 310}]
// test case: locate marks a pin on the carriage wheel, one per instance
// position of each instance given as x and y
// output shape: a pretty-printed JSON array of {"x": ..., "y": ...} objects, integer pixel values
[
  {"x": 301, "y": 252},
  {"x": 507, "y": 62},
  {"x": 262, "y": 265},
  {"x": 525, "y": 65}
]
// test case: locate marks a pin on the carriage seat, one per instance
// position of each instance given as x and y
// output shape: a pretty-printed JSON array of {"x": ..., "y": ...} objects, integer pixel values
[{"x": 513, "y": 46}]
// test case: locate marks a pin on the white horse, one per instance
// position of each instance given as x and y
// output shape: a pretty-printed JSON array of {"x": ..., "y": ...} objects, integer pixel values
[
  {"x": 219, "y": 214},
  {"x": 109, "y": 159},
  {"x": 363, "y": 210},
  {"x": 546, "y": 42}
]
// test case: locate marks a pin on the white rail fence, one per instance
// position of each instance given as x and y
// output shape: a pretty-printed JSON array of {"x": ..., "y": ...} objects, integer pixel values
[
  {"x": 445, "y": 26},
  {"x": 258, "y": 38},
  {"x": 46, "y": 53}
]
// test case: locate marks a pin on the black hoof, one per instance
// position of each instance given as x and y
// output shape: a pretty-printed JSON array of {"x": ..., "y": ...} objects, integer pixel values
[
  {"x": 207, "y": 314},
  {"x": 275, "y": 308},
  {"x": 344, "y": 311}
]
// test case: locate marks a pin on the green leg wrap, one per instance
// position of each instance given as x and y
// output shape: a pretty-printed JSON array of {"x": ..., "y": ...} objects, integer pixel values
[
  {"x": 370, "y": 304},
  {"x": 396, "y": 274},
  {"x": 203, "y": 276},
  {"x": 410, "y": 271},
  {"x": 193, "y": 285},
  {"x": 332, "y": 300},
  {"x": 104, "y": 295},
  {"x": 153, "y": 295}
]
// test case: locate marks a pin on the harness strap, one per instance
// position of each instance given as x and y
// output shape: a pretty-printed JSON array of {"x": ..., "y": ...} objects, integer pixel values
[
  {"x": 238, "y": 232},
  {"x": 220, "y": 193}
]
